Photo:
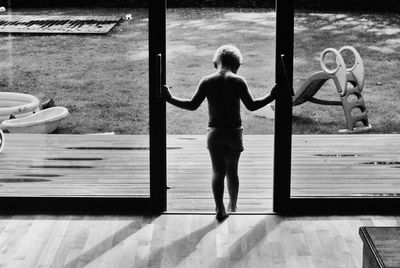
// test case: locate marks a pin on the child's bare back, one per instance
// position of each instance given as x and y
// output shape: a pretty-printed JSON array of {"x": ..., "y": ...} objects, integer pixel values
[{"x": 222, "y": 90}]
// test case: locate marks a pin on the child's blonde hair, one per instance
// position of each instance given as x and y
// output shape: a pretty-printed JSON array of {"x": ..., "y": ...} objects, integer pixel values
[{"x": 228, "y": 56}]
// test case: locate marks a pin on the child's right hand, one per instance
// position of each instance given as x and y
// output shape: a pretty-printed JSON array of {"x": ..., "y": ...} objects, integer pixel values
[{"x": 165, "y": 94}]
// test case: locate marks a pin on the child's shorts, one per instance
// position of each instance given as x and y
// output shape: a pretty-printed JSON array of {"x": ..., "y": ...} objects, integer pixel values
[{"x": 227, "y": 139}]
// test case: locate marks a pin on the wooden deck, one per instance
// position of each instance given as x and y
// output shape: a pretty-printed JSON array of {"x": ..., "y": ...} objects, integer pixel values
[{"x": 117, "y": 165}]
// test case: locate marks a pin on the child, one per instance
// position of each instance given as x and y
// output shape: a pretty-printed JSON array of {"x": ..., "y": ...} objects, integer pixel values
[{"x": 223, "y": 89}]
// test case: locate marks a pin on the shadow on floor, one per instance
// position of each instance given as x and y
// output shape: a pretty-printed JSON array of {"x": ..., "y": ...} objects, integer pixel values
[
  {"x": 108, "y": 243},
  {"x": 247, "y": 242}
]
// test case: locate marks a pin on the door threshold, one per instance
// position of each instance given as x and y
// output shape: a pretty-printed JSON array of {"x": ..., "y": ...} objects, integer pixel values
[{"x": 194, "y": 212}]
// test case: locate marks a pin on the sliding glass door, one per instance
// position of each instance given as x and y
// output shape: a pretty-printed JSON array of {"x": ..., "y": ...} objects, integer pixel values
[
  {"x": 342, "y": 156},
  {"x": 108, "y": 154}
]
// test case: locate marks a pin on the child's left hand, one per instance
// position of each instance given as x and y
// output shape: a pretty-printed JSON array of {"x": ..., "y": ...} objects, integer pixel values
[
  {"x": 165, "y": 94},
  {"x": 274, "y": 91}
]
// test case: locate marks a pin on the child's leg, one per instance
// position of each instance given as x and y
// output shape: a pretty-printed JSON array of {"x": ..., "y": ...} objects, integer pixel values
[
  {"x": 232, "y": 161},
  {"x": 219, "y": 170}
]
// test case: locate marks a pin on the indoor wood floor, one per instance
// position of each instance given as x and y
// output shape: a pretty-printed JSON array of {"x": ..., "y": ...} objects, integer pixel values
[
  {"x": 116, "y": 165},
  {"x": 184, "y": 241}
]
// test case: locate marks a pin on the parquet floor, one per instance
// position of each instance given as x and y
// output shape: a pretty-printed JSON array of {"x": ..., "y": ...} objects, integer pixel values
[{"x": 184, "y": 241}]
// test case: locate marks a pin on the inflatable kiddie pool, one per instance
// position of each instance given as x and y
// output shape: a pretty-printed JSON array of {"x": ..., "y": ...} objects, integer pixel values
[
  {"x": 17, "y": 105},
  {"x": 44, "y": 121}
]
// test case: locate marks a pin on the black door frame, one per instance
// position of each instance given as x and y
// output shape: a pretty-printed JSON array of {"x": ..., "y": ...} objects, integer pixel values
[
  {"x": 157, "y": 201},
  {"x": 282, "y": 201},
  {"x": 283, "y": 104}
]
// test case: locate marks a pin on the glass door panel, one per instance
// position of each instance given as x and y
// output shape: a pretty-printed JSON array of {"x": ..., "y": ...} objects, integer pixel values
[
  {"x": 345, "y": 122},
  {"x": 107, "y": 83}
]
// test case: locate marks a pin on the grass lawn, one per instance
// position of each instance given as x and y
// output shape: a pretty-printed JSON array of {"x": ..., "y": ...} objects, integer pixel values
[{"x": 103, "y": 80}]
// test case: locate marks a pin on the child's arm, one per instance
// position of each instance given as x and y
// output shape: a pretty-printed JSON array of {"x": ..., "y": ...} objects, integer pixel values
[
  {"x": 188, "y": 104},
  {"x": 255, "y": 104}
]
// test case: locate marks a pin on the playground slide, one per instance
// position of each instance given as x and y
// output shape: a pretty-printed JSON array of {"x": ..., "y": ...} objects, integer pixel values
[
  {"x": 314, "y": 83},
  {"x": 310, "y": 87},
  {"x": 341, "y": 77}
]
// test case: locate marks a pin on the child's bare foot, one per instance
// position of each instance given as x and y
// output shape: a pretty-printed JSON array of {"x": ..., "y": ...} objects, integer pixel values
[
  {"x": 221, "y": 216},
  {"x": 231, "y": 208}
]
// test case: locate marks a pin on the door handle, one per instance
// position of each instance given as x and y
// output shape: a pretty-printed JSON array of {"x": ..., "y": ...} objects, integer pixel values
[
  {"x": 1, "y": 140},
  {"x": 286, "y": 75},
  {"x": 159, "y": 76}
]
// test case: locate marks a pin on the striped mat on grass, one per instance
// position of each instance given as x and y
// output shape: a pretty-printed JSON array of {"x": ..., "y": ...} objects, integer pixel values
[{"x": 29, "y": 24}]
